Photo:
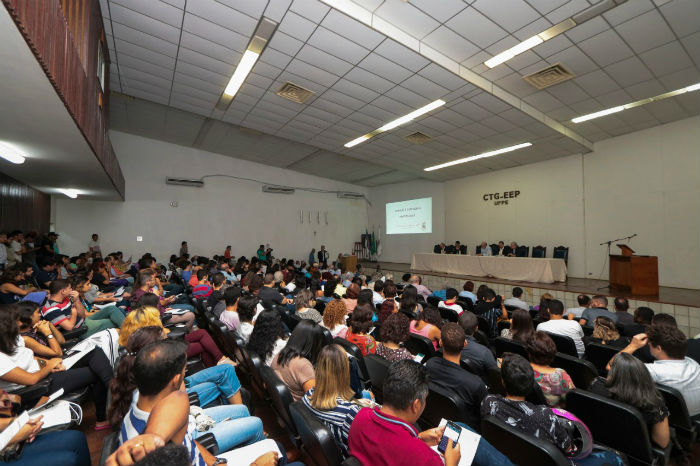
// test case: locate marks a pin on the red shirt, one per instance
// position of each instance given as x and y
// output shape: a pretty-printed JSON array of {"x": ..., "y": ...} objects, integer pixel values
[{"x": 378, "y": 439}]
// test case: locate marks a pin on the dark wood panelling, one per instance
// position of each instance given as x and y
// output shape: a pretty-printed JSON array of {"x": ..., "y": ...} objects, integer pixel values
[
  {"x": 22, "y": 207},
  {"x": 52, "y": 39}
]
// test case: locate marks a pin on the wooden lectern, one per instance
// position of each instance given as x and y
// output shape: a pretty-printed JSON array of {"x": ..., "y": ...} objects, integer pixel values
[
  {"x": 349, "y": 263},
  {"x": 637, "y": 275}
]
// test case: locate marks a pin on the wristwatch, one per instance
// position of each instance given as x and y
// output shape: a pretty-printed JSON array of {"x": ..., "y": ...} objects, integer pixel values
[{"x": 219, "y": 461}]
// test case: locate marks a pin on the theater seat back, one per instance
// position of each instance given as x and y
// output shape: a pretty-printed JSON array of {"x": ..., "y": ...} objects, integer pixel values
[
  {"x": 521, "y": 448},
  {"x": 281, "y": 399},
  {"x": 564, "y": 344},
  {"x": 582, "y": 372},
  {"x": 317, "y": 441},
  {"x": 377, "y": 367},
  {"x": 600, "y": 355},
  {"x": 418, "y": 344},
  {"x": 506, "y": 345}
]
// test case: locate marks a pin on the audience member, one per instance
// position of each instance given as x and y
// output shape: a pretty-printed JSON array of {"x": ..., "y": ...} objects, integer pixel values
[
  {"x": 350, "y": 299},
  {"x": 554, "y": 382},
  {"x": 388, "y": 308},
  {"x": 268, "y": 336},
  {"x": 450, "y": 301},
  {"x": 515, "y": 301},
  {"x": 422, "y": 290},
  {"x": 621, "y": 307},
  {"x": 405, "y": 392},
  {"x": 294, "y": 365},
  {"x": 584, "y": 301},
  {"x": 334, "y": 318},
  {"x": 447, "y": 373},
  {"x": 268, "y": 294},
  {"x": 490, "y": 308},
  {"x": 12, "y": 289},
  {"x": 57, "y": 448},
  {"x": 394, "y": 333},
  {"x": 218, "y": 280},
  {"x": 358, "y": 329},
  {"x": 427, "y": 324},
  {"x": 599, "y": 307},
  {"x": 146, "y": 282},
  {"x": 629, "y": 381},
  {"x": 560, "y": 326},
  {"x": 304, "y": 304},
  {"x": 246, "y": 313},
  {"x": 481, "y": 358},
  {"x": 467, "y": 291},
  {"x": 19, "y": 366},
  {"x": 672, "y": 367},
  {"x": 521, "y": 327},
  {"x": 229, "y": 315},
  {"x": 536, "y": 420},
  {"x": 409, "y": 304},
  {"x": 332, "y": 400},
  {"x": 605, "y": 333}
]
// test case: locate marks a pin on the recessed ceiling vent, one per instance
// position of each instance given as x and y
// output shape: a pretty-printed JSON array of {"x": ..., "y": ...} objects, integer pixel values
[
  {"x": 418, "y": 138},
  {"x": 549, "y": 76},
  {"x": 295, "y": 93}
]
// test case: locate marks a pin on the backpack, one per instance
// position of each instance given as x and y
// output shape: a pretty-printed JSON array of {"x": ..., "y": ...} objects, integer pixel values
[{"x": 582, "y": 440}]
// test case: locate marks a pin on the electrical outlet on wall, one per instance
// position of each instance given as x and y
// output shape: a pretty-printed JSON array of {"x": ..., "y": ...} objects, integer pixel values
[{"x": 139, "y": 238}]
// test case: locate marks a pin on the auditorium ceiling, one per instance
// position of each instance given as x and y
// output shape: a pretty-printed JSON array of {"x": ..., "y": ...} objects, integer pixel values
[{"x": 172, "y": 59}]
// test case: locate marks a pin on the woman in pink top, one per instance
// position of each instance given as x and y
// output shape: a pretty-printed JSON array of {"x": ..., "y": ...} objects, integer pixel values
[
  {"x": 427, "y": 325},
  {"x": 351, "y": 294}
]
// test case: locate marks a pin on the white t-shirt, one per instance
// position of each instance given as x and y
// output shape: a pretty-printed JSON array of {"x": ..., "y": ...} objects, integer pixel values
[
  {"x": 681, "y": 374},
  {"x": 455, "y": 307},
  {"x": 279, "y": 344},
  {"x": 569, "y": 328},
  {"x": 245, "y": 330},
  {"x": 337, "y": 331},
  {"x": 94, "y": 246},
  {"x": 23, "y": 358}
]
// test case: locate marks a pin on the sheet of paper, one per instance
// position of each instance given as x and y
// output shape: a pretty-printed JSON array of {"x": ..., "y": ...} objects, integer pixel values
[
  {"x": 176, "y": 312},
  {"x": 52, "y": 397},
  {"x": 468, "y": 443},
  {"x": 248, "y": 454},
  {"x": 57, "y": 414},
  {"x": 11, "y": 430},
  {"x": 82, "y": 348}
]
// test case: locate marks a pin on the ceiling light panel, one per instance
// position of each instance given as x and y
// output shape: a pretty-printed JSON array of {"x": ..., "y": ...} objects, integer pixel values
[
  {"x": 479, "y": 156},
  {"x": 637, "y": 103},
  {"x": 11, "y": 153},
  {"x": 398, "y": 122}
]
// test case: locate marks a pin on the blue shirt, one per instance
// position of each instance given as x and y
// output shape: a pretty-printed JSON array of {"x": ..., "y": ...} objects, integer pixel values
[
  {"x": 468, "y": 294},
  {"x": 440, "y": 294}
]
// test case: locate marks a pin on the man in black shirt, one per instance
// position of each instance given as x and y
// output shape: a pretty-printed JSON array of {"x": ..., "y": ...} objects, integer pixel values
[
  {"x": 490, "y": 308},
  {"x": 621, "y": 311},
  {"x": 449, "y": 375},
  {"x": 480, "y": 357},
  {"x": 268, "y": 294},
  {"x": 45, "y": 271}
]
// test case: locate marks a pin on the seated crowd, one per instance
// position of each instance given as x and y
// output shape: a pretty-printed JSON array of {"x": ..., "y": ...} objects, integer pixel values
[{"x": 156, "y": 355}]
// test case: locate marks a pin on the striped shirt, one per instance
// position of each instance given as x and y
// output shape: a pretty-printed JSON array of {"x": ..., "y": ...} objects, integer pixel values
[
  {"x": 134, "y": 424},
  {"x": 56, "y": 312},
  {"x": 338, "y": 420}
]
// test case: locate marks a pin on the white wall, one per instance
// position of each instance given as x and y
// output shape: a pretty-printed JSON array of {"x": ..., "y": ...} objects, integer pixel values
[
  {"x": 224, "y": 211},
  {"x": 647, "y": 182},
  {"x": 398, "y": 248}
]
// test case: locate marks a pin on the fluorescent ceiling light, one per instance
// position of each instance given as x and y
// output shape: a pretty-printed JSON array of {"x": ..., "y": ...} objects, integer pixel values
[
  {"x": 72, "y": 193},
  {"x": 480, "y": 156},
  {"x": 9, "y": 153},
  {"x": 580, "y": 18},
  {"x": 244, "y": 66},
  {"x": 355, "y": 142},
  {"x": 637, "y": 103},
  {"x": 398, "y": 122}
]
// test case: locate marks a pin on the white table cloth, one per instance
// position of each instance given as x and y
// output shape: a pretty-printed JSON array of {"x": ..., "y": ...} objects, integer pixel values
[{"x": 526, "y": 269}]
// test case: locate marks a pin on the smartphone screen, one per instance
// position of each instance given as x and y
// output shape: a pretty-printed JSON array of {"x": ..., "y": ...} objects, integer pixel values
[{"x": 452, "y": 432}]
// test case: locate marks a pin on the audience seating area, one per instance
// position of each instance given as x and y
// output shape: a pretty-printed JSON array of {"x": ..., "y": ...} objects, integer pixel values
[{"x": 614, "y": 424}]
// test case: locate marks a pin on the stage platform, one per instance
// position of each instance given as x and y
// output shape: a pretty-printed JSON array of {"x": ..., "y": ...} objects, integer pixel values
[{"x": 668, "y": 295}]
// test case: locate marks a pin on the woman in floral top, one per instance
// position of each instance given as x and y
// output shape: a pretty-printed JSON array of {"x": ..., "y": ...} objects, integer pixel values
[
  {"x": 394, "y": 333},
  {"x": 555, "y": 382},
  {"x": 358, "y": 333}
]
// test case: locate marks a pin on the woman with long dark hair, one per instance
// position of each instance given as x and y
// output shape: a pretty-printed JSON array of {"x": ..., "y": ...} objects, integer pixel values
[
  {"x": 11, "y": 281},
  {"x": 629, "y": 381},
  {"x": 20, "y": 367},
  {"x": 409, "y": 301},
  {"x": 295, "y": 363},
  {"x": 268, "y": 336},
  {"x": 233, "y": 424},
  {"x": 521, "y": 327}
]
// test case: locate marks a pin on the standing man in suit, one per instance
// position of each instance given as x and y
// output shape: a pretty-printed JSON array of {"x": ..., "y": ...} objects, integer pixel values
[{"x": 323, "y": 257}]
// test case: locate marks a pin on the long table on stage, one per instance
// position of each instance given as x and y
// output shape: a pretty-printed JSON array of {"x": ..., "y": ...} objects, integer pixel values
[{"x": 527, "y": 269}]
